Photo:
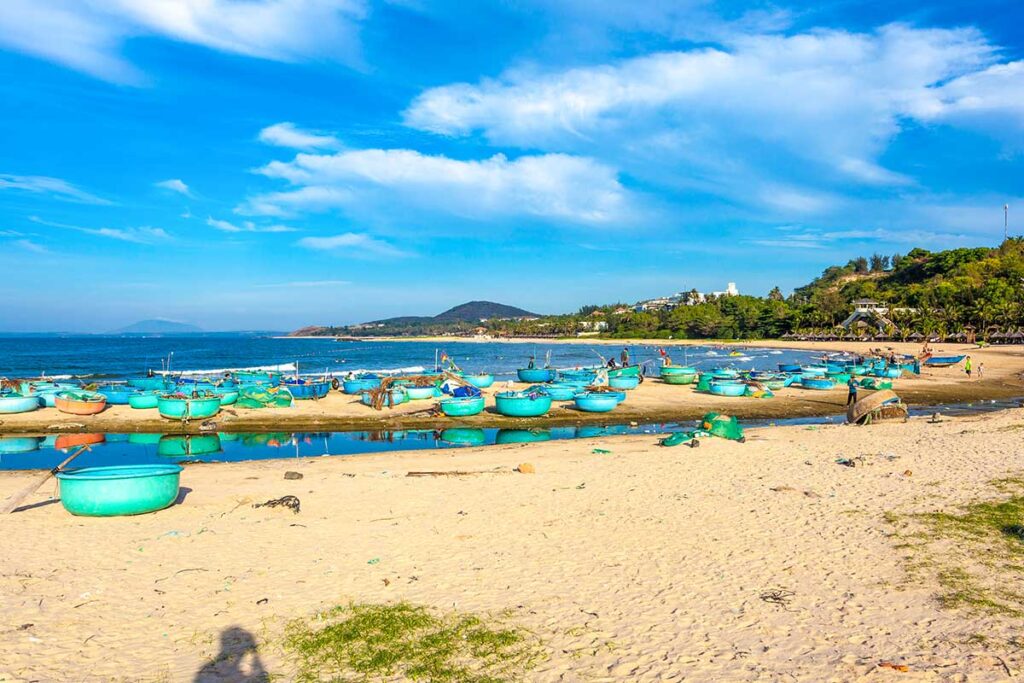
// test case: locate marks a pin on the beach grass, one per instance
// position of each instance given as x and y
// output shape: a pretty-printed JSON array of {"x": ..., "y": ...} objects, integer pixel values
[
  {"x": 976, "y": 553},
  {"x": 365, "y": 642}
]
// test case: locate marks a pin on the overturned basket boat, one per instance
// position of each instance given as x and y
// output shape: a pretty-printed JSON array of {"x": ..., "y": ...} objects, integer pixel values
[{"x": 879, "y": 406}]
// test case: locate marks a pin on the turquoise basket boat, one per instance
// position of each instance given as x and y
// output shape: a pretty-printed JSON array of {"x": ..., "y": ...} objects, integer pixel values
[
  {"x": 150, "y": 383},
  {"x": 817, "y": 383},
  {"x": 116, "y": 394},
  {"x": 506, "y": 436},
  {"x": 522, "y": 404},
  {"x": 558, "y": 391},
  {"x": 144, "y": 400},
  {"x": 727, "y": 388},
  {"x": 724, "y": 373},
  {"x": 16, "y": 403},
  {"x": 669, "y": 370},
  {"x": 229, "y": 396},
  {"x": 630, "y": 371},
  {"x": 595, "y": 402},
  {"x": 679, "y": 378},
  {"x": 122, "y": 490},
  {"x": 359, "y": 384},
  {"x": 462, "y": 407},
  {"x": 480, "y": 381},
  {"x": 179, "y": 407},
  {"x": 422, "y": 393},
  {"x": 624, "y": 382},
  {"x": 536, "y": 375}
]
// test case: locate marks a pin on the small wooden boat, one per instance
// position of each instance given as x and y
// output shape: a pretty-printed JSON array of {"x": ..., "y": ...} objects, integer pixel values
[
  {"x": 522, "y": 403},
  {"x": 594, "y": 402},
  {"x": 80, "y": 402},
  {"x": 305, "y": 389},
  {"x": 182, "y": 407},
  {"x": 536, "y": 375},
  {"x": 121, "y": 490},
  {"x": 480, "y": 381},
  {"x": 943, "y": 361},
  {"x": 462, "y": 407},
  {"x": 16, "y": 403}
]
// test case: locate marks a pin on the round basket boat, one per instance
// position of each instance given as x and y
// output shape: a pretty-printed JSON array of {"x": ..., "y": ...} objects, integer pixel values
[
  {"x": 522, "y": 404},
  {"x": 421, "y": 393},
  {"x": 593, "y": 402},
  {"x": 679, "y": 378},
  {"x": 80, "y": 402},
  {"x": 228, "y": 396},
  {"x": 678, "y": 370},
  {"x": 180, "y": 407},
  {"x": 536, "y": 375},
  {"x": 18, "y": 404},
  {"x": 117, "y": 394},
  {"x": 149, "y": 383},
  {"x": 558, "y": 391},
  {"x": 144, "y": 400},
  {"x": 11, "y": 445},
  {"x": 817, "y": 383},
  {"x": 121, "y": 490},
  {"x": 789, "y": 367},
  {"x": 624, "y": 382},
  {"x": 481, "y": 381},
  {"x": 354, "y": 386},
  {"x": 462, "y": 407},
  {"x": 306, "y": 390},
  {"x": 727, "y": 388}
]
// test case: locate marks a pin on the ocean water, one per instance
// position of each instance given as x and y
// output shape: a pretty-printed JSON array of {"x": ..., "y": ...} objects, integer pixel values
[{"x": 113, "y": 357}]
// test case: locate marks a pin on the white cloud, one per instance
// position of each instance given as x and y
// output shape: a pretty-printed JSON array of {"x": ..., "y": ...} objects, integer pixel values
[
  {"x": 247, "y": 226},
  {"x": 29, "y": 245},
  {"x": 552, "y": 186},
  {"x": 353, "y": 244},
  {"x": 175, "y": 185},
  {"x": 142, "y": 235},
  {"x": 87, "y": 35},
  {"x": 54, "y": 187},
  {"x": 831, "y": 97},
  {"x": 289, "y": 135}
]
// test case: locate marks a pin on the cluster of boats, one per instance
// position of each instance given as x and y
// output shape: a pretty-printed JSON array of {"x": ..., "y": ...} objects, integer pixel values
[
  {"x": 832, "y": 372},
  {"x": 176, "y": 398}
]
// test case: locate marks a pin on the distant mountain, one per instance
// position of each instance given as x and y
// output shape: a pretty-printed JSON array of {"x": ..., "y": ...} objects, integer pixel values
[
  {"x": 158, "y": 326},
  {"x": 469, "y": 312}
]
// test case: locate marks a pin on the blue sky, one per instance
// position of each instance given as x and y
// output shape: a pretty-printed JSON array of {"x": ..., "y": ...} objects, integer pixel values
[{"x": 274, "y": 163}]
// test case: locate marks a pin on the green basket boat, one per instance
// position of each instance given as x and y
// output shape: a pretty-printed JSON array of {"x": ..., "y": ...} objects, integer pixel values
[{"x": 121, "y": 490}]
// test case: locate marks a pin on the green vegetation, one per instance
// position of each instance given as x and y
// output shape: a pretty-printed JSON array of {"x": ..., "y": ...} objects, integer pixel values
[
  {"x": 976, "y": 553},
  {"x": 361, "y": 642},
  {"x": 929, "y": 293}
]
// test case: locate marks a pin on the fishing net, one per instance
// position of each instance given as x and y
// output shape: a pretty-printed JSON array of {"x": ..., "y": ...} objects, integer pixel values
[
  {"x": 677, "y": 438},
  {"x": 264, "y": 397},
  {"x": 723, "y": 426}
]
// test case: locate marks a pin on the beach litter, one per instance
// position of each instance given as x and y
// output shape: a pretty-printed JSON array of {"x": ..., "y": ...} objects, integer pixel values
[
  {"x": 290, "y": 502},
  {"x": 893, "y": 666},
  {"x": 292, "y": 475},
  {"x": 526, "y": 468},
  {"x": 778, "y": 596},
  {"x": 600, "y": 451}
]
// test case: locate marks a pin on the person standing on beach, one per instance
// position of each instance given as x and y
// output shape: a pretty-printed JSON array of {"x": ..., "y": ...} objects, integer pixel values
[
  {"x": 851, "y": 396},
  {"x": 967, "y": 367},
  {"x": 624, "y": 357}
]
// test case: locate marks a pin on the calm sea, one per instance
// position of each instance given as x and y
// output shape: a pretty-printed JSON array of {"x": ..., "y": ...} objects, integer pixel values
[{"x": 103, "y": 357}]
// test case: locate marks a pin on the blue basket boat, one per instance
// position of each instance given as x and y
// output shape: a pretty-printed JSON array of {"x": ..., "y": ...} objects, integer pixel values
[
  {"x": 595, "y": 402},
  {"x": 558, "y": 391},
  {"x": 422, "y": 393},
  {"x": 150, "y": 383},
  {"x": 522, "y": 403},
  {"x": 789, "y": 367},
  {"x": 462, "y": 407},
  {"x": 536, "y": 375},
  {"x": 359, "y": 384},
  {"x": 719, "y": 388},
  {"x": 817, "y": 383},
  {"x": 305, "y": 390},
  {"x": 117, "y": 394},
  {"x": 121, "y": 490},
  {"x": 480, "y": 381},
  {"x": 624, "y": 382},
  {"x": 16, "y": 403}
]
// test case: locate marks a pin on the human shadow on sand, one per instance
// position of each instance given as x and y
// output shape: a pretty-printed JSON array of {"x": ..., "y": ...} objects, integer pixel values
[{"x": 237, "y": 662}]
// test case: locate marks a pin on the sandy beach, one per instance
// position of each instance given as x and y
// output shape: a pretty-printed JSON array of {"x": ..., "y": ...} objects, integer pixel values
[
  {"x": 640, "y": 563},
  {"x": 652, "y": 403}
]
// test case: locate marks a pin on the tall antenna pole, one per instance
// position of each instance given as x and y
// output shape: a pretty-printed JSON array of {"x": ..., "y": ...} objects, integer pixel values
[{"x": 1006, "y": 220}]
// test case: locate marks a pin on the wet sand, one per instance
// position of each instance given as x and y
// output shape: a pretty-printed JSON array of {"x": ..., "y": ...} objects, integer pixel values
[
  {"x": 652, "y": 403},
  {"x": 640, "y": 563}
]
